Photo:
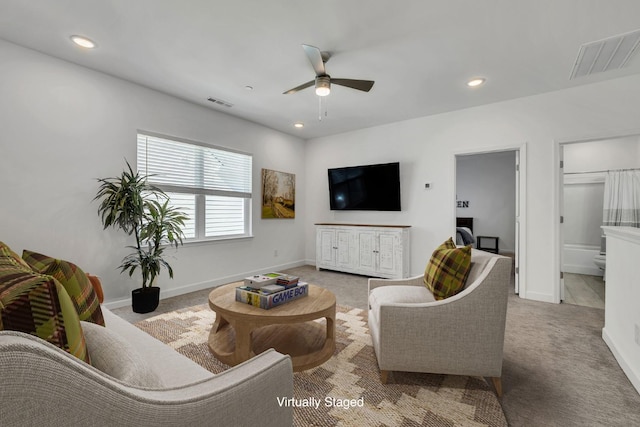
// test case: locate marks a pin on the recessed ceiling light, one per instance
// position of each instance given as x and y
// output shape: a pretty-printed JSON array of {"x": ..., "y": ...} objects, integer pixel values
[
  {"x": 476, "y": 82},
  {"x": 247, "y": 87},
  {"x": 83, "y": 42},
  {"x": 298, "y": 125}
]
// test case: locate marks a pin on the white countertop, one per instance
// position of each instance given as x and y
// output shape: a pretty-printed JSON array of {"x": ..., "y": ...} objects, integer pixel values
[{"x": 631, "y": 234}]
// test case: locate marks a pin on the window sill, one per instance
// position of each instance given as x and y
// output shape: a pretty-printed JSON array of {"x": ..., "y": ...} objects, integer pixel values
[{"x": 199, "y": 242}]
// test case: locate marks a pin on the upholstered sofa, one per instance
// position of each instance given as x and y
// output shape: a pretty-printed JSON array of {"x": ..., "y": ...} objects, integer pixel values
[
  {"x": 459, "y": 335},
  {"x": 44, "y": 385},
  {"x": 65, "y": 360}
]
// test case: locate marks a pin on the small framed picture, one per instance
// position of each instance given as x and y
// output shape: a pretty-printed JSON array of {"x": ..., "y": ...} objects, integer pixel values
[{"x": 278, "y": 194}]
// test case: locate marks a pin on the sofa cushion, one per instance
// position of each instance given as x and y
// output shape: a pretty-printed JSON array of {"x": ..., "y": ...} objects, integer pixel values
[
  {"x": 74, "y": 280},
  {"x": 447, "y": 270},
  {"x": 402, "y": 294},
  {"x": 39, "y": 305},
  {"x": 177, "y": 370},
  {"x": 111, "y": 354},
  {"x": 479, "y": 261}
]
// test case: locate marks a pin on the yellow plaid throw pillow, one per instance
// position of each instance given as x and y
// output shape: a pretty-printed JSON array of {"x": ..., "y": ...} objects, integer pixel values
[{"x": 447, "y": 270}]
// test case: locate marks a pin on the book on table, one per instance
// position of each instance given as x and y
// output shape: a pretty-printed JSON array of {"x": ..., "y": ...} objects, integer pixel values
[
  {"x": 272, "y": 289},
  {"x": 287, "y": 281},
  {"x": 265, "y": 300}
]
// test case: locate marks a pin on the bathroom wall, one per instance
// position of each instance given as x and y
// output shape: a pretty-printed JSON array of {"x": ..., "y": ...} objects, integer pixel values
[{"x": 583, "y": 196}]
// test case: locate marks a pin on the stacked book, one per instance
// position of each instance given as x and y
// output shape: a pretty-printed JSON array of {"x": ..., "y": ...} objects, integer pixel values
[
  {"x": 287, "y": 281},
  {"x": 271, "y": 290}
]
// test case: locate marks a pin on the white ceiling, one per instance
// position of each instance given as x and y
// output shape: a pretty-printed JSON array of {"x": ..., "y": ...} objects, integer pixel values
[{"x": 419, "y": 52}]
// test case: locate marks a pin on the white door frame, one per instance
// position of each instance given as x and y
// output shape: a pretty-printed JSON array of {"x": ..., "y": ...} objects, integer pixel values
[
  {"x": 559, "y": 192},
  {"x": 560, "y": 216},
  {"x": 521, "y": 200}
]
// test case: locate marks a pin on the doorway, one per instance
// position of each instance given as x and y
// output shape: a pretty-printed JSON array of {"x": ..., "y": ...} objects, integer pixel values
[
  {"x": 582, "y": 169},
  {"x": 490, "y": 194}
]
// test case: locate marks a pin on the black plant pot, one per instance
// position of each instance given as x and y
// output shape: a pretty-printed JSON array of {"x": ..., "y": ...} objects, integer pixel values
[{"x": 145, "y": 300}]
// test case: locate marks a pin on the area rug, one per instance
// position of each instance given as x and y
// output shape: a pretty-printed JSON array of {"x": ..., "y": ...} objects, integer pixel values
[{"x": 408, "y": 399}]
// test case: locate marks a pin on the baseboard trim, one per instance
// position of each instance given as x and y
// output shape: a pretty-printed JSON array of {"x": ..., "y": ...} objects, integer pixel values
[
  {"x": 536, "y": 296},
  {"x": 581, "y": 269},
  {"x": 193, "y": 287},
  {"x": 633, "y": 376}
]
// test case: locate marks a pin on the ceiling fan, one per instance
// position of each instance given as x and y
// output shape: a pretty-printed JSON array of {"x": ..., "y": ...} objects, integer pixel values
[{"x": 323, "y": 80}]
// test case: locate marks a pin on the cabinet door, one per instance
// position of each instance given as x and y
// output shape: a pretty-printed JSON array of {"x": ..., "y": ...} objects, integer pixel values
[
  {"x": 343, "y": 240},
  {"x": 326, "y": 247},
  {"x": 389, "y": 252},
  {"x": 367, "y": 251}
]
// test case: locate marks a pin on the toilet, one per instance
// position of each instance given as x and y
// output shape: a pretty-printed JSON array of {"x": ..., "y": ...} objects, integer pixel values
[{"x": 601, "y": 259}]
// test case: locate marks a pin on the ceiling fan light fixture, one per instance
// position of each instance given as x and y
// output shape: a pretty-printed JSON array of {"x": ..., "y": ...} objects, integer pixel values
[{"x": 323, "y": 85}]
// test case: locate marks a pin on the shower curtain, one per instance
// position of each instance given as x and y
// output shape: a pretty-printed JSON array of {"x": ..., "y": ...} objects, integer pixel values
[{"x": 622, "y": 198}]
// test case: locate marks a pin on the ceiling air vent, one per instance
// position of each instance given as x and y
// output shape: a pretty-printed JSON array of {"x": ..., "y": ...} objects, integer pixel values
[
  {"x": 219, "y": 101},
  {"x": 606, "y": 54}
]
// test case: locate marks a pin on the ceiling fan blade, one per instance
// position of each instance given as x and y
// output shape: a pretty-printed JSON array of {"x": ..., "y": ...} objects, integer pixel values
[
  {"x": 315, "y": 57},
  {"x": 302, "y": 86},
  {"x": 363, "y": 85}
]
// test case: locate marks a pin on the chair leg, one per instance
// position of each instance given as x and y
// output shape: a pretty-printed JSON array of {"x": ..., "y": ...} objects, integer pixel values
[
  {"x": 497, "y": 383},
  {"x": 384, "y": 376}
]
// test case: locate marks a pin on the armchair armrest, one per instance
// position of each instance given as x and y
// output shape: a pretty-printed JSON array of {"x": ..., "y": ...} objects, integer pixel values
[
  {"x": 43, "y": 385},
  {"x": 411, "y": 281}
]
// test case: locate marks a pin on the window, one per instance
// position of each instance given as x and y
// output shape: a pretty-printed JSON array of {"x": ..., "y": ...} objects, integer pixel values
[{"x": 211, "y": 185}]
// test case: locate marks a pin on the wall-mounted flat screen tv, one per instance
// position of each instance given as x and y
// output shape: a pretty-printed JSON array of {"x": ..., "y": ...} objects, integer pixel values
[{"x": 365, "y": 188}]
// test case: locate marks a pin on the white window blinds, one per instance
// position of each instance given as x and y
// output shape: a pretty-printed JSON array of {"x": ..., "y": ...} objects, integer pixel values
[
  {"x": 204, "y": 170},
  {"x": 224, "y": 216},
  {"x": 211, "y": 185}
]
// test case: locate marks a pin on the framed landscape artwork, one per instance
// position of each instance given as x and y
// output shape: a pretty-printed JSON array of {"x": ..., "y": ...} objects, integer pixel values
[{"x": 278, "y": 194}]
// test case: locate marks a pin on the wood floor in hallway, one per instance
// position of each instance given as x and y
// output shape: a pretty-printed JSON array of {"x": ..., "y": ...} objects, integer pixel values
[{"x": 584, "y": 290}]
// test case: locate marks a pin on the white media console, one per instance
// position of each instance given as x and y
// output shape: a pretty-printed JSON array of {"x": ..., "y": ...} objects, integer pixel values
[{"x": 370, "y": 250}]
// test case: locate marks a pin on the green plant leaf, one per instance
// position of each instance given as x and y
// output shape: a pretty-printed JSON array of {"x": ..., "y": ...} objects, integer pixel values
[{"x": 128, "y": 202}]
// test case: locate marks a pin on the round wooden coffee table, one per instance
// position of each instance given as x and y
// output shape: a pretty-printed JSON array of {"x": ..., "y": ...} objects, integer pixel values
[{"x": 241, "y": 330}]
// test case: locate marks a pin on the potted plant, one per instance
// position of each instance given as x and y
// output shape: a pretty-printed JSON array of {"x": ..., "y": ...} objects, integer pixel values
[{"x": 130, "y": 203}]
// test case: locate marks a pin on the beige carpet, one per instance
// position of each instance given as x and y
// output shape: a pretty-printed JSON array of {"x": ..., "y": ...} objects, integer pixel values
[{"x": 409, "y": 399}]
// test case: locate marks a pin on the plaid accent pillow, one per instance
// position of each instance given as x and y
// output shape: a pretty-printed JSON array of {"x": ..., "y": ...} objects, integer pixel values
[
  {"x": 447, "y": 270},
  {"x": 74, "y": 280},
  {"x": 37, "y": 304},
  {"x": 97, "y": 286},
  {"x": 6, "y": 251}
]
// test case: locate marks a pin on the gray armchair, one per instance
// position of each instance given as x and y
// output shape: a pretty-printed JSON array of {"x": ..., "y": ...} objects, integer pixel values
[{"x": 460, "y": 335}]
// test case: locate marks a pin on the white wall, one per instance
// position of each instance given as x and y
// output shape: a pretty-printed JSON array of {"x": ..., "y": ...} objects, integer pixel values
[
  {"x": 583, "y": 213},
  {"x": 426, "y": 147},
  {"x": 62, "y": 126},
  {"x": 605, "y": 154},
  {"x": 488, "y": 182}
]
